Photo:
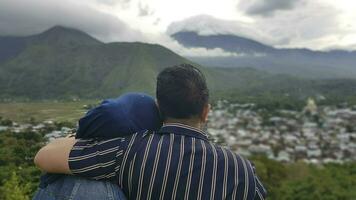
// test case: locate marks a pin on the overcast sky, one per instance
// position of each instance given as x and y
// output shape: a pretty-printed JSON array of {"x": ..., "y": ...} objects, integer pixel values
[{"x": 314, "y": 24}]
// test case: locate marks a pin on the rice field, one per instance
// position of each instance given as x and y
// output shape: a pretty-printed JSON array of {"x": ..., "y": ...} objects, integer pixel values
[{"x": 41, "y": 111}]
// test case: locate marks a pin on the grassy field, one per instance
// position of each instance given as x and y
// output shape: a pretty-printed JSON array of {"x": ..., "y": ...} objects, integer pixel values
[{"x": 41, "y": 111}]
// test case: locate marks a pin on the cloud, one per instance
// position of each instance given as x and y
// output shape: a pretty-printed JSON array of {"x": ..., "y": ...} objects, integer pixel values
[
  {"x": 111, "y": 2},
  {"x": 144, "y": 10},
  {"x": 172, "y": 44},
  {"x": 124, "y": 4},
  {"x": 313, "y": 25},
  {"x": 267, "y": 7},
  {"x": 208, "y": 25},
  {"x": 34, "y": 16},
  {"x": 157, "y": 21},
  {"x": 203, "y": 52},
  {"x": 310, "y": 26}
]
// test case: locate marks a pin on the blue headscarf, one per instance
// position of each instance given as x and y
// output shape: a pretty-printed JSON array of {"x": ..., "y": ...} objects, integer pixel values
[
  {"x": 122, "y": 116},
  {"x": 125, "y": 115}
]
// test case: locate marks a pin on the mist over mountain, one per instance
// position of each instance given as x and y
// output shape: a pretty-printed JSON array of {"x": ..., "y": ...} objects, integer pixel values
[
  {"x": 303, "y": 63},
  {"x": 63, "y": 63}
]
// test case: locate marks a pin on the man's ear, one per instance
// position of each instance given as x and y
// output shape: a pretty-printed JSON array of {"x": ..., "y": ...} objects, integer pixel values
[
  {"x": 205, "y": 113},
  {"x": 156, "y": 101},
  {"x": 159, "y": 110},
  {"x": 157, "y": 104}
]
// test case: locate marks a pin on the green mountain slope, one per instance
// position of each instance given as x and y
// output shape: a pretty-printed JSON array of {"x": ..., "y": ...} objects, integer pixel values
[
  {"x": 64, "y": 63},
  {"x": 52, "y": 66}
]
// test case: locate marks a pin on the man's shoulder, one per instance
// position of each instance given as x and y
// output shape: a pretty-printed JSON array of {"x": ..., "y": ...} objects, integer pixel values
[
  {"x": 210, "y": 148},
  {"x": 225, "y": 149},
  {"x": 233, "y": 158}
]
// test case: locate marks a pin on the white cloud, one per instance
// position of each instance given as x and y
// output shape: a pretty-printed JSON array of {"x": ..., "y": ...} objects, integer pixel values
[
  {"x": 317, "y": 24},
  {"x": 35, "y": 16},
  {"x": 314, "y": 24},
  {"x": 203, "y": 52},
  {"x": 170, "y": 43},
  {"x": 144, "y": 10},
  {"x": 208, "y": 25}
]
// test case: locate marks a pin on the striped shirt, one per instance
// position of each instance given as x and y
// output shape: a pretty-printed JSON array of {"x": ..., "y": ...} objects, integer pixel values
[{"x": 177, "y": 162}]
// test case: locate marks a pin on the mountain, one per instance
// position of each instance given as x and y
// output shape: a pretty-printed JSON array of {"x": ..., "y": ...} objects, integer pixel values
[
  {"x": 10, "y": 47},
  {"x": 303, "y": 63},
  {"x": 58, "y": 36},
  {"x": 64, "y": 63}
]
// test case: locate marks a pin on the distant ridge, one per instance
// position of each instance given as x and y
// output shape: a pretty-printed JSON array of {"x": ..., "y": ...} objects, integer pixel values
[
  {"x": 304, "y": 63},
  {"x": 229, "y": 43}
]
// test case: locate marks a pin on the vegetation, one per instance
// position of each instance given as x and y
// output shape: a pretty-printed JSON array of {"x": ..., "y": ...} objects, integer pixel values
[
  {"x": 19, "y": 177},
  {"x": 300, "y": 181},
  {"x": 14, "y": 190},
  {"x": 26, "y": 112},
  {"x": 295, "y": 181}
]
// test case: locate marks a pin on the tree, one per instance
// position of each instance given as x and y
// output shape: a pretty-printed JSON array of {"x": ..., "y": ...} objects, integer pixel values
[{"x": 14, "y": 190}]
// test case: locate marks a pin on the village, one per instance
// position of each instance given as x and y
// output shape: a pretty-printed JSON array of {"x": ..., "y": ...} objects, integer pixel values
[{"x": 317, "y": 135}]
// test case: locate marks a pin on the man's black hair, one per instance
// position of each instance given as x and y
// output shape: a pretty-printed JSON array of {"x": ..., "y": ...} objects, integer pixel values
[{"x": 181, "y": 92}]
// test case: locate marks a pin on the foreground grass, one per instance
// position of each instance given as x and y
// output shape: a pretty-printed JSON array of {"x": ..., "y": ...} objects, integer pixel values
[{"x": 41, "y": 111}]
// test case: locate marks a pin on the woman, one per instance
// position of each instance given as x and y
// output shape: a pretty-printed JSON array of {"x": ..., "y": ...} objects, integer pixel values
[{"x": 118, "y": 117}]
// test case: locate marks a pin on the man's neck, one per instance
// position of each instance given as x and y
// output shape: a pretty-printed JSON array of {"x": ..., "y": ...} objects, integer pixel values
[{"x": 190, "y": 122}]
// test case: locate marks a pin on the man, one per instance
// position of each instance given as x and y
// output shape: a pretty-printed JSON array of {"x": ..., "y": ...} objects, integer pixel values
[{"x": 177, "y": 162}]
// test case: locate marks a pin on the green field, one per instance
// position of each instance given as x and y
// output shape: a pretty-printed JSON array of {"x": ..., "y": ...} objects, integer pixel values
[{"x": 41, "y": 111}]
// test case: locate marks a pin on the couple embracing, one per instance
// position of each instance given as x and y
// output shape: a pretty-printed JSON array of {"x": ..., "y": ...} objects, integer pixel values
[{"x": 134, "y": 147}]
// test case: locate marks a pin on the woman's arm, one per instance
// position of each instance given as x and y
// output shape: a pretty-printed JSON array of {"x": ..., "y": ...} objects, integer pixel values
[
  {"x": 92, "y": 158},
  {"x": 53, "y": 157}
]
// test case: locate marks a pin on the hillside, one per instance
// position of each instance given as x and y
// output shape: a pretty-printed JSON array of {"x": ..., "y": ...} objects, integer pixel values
[{"x": 64, "y": 63}]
